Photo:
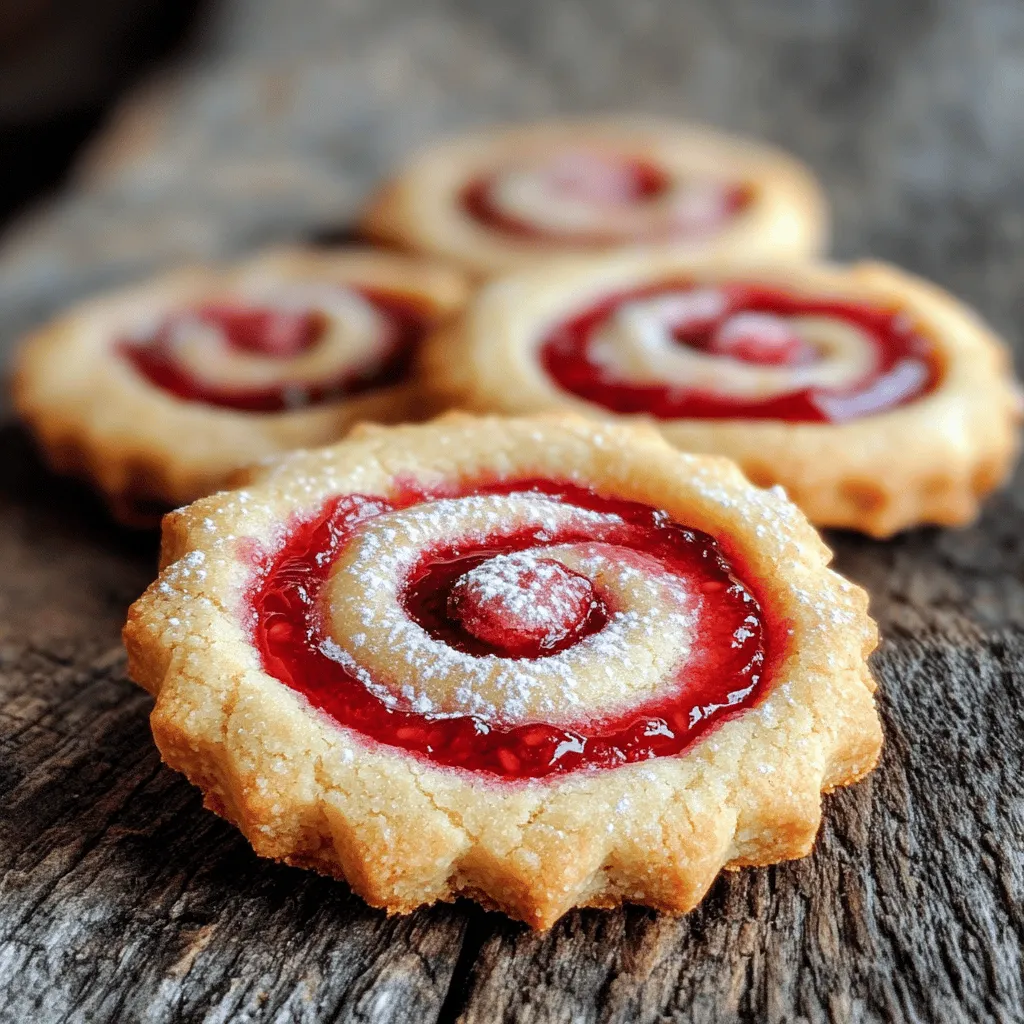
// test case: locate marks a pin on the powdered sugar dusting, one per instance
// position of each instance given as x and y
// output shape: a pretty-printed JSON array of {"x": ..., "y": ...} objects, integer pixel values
[
  {"x": 522, "y": 596},
  {"x": 648, "y": 633}
]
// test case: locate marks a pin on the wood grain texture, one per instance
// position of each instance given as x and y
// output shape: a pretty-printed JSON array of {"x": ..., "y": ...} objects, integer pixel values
[{"x": 121, "y": 900}]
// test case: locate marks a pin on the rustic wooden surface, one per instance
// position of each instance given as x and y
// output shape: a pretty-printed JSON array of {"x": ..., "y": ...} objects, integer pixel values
[{"x": 122, "y": 900}]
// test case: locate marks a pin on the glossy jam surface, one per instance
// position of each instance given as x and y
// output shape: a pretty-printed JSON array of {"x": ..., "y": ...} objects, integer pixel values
[
  {"x": 735, "y": 647},
  {"x": 906, "y": 369},
  {"x": 509, "y": 604},
  {"x": 613, "y": 184},
  {"x": 279, "y": 334}
]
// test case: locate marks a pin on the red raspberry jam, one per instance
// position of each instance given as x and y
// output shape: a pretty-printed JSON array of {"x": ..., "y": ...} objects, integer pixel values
[
  {"x": 759, "y": 338},
  {"x": 599, "y": 179},
  {"x": 281, "y": 334},
  {"x": 749, "y": 327},
  {"x": 518, "y": 605},
  {"x": 737, "y": 641}
]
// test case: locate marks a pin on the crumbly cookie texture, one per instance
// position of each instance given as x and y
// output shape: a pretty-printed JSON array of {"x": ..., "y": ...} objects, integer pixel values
[
  {"x": 404, "y": 831},
  {"x": 421, "y": 209},
  {"x": 96, "y": 416},
  {"x": 929, "y": 461}
]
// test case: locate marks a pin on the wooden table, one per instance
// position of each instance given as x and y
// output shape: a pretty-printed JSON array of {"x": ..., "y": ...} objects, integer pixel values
[{"x": 122, "y": 900}]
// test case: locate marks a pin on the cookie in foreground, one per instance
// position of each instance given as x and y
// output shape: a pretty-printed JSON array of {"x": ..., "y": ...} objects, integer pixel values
[
  {"x": 158, "y": 392},
  {"x": 542, "y": 663},
  {"x": 877, "y": 400},
  {"x": 504, "y": 199}
]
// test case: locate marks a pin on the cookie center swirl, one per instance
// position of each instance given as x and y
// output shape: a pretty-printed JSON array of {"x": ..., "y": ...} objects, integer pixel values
[
  {"x": 583, "y": 195},
  {"x": 740, "y": 351},
  {"x": 521, "y": 603},
  {"x": 516, "y": 629},
  {"x": 610, "y": 668},
  {"x": 279, "y": 347}
]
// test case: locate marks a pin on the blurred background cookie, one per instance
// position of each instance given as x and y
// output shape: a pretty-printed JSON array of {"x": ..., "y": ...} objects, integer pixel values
[
  {"x": 503, "y": 199},
  {"x": 877, "y": 400},
  {"x": 156, "y": 393}
]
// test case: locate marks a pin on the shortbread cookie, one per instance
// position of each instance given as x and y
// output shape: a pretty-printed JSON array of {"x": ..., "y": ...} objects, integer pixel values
[
  {"x": 544, "y": 663},
  {"x": 877, "y": 400},
  {"x": 501, "y": 200},
  {"x": 158, "y": 392}
]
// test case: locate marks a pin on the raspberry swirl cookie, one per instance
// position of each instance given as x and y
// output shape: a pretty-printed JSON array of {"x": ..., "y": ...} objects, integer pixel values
[
  {"x": 542, "y": 663},
  {"x": 158, "y": 392},
  {"x": 501, "y": 200},
  {"x": 877, "y": 400}
]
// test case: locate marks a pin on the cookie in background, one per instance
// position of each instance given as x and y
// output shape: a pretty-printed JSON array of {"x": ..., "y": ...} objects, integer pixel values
[
  {"x": 158, "y": 392},
  {"x": 876, "y": 399},
  {"x": 504, "y": 199}
]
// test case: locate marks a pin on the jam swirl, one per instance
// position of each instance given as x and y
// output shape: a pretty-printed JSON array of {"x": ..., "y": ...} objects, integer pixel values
[
  {"x": 736, "y": 644},
  {"x": 280, "y": 335},
  {"x": 617, "y": 199},
  {"x": 746, "y": 325}
]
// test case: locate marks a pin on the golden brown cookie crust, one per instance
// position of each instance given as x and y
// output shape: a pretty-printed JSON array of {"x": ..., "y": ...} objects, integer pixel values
[
  {"x": 405, "y": 832},
  {"x": 419, "y": 210},
  {"x": 931, "y": 460},
  {"x": 146, "y": 449}
]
